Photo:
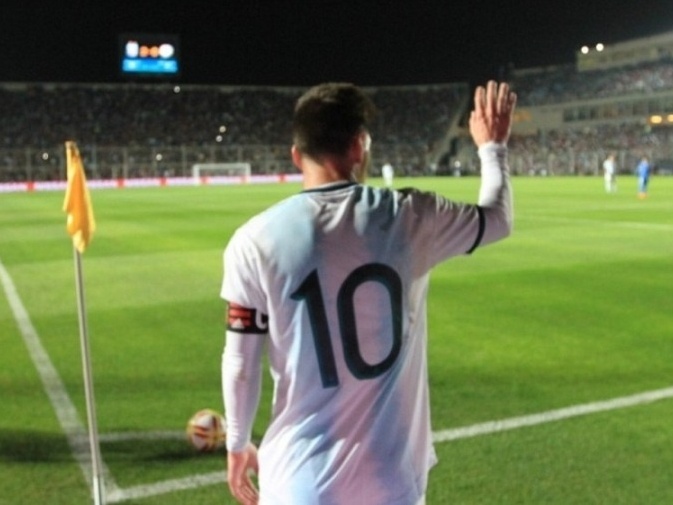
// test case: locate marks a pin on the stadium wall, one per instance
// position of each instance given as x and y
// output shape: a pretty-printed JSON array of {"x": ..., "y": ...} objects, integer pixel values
[{"x": 145, "y": 182}]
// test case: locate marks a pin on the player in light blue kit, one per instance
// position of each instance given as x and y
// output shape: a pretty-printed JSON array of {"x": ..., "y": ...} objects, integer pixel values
[
  {"x": 643, "y": 172},
  {"x": 332, "y": 283}
]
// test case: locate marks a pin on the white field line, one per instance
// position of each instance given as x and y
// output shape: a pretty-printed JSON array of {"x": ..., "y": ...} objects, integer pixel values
[
  {"x": 438, "y": 437},
  {"x": 167, "y": 486},
  {"x": 552, "y": 415},
  {"x": 75, "y": 431},
  {"x": 129, "y": 436},
  {"x": 78, "y": 440}
]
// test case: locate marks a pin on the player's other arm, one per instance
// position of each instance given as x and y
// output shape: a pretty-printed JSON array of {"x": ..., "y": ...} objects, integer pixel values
[
  {"x": 490, "y": 127},
  {"x": 241, "y": 386}
]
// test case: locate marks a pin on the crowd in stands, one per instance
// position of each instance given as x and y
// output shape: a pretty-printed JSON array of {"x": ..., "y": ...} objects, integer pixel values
[
  {"x": 127, "y": 125},
  {"x": 564, "y": 83},
  {"x": 138, "y": 130},
  {"x": 581, "y": 151}
]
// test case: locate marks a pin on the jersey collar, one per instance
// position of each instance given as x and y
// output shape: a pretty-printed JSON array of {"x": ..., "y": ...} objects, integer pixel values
[{"x": 330, "y": 186}]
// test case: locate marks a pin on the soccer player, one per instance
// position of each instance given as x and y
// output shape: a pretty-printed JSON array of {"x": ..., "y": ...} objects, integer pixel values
[
  {"x": 610, "y": 173},
  {"x": 643, "y": 170},
  {"x": 332, "y": 282},
  {"x": 388, "y": 173}
]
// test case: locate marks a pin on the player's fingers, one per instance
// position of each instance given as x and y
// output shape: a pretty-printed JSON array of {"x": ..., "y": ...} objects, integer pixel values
[
  {"x": 512, "y": 100},
  {"x": 479, "y": 95},
  {"x": 245, "y": 493},
  {"x": 249, "y": 493},
  {"x": 242, "y": 489},
  {"x": 491, "y": 90},
  {"x": 503, "y": 105},
  {"x": 236, "y": 492},
  {"x": 244, "y": 498}
]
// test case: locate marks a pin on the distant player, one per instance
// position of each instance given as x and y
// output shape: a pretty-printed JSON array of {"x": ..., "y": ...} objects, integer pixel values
[
  {"x": 610, "y": 174},
  {"x": 388, "y": 172},
  {"x": 332, "y": 282},
  {"x": 643, "y": 172}
]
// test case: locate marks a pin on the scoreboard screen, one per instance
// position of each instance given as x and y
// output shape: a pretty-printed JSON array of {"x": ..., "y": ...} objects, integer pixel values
[{"x": 149, "y": 55}]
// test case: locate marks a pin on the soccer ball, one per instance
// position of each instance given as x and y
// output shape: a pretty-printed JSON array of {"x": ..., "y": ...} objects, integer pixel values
[{"x": 206, "y": 430}]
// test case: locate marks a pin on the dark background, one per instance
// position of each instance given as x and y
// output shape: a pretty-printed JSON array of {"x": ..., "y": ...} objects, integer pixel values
[{"x": 291, "y": 42}]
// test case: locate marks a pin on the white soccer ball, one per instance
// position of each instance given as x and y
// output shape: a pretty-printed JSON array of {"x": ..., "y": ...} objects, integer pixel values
[{"x": 206, "y": 430}]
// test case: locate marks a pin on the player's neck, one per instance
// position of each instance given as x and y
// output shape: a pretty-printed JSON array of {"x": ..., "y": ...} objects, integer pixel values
[{"x": 327, "y": 172}]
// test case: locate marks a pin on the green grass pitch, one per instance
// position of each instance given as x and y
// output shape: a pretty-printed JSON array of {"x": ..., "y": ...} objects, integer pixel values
[{"x": 575, "y": 308}]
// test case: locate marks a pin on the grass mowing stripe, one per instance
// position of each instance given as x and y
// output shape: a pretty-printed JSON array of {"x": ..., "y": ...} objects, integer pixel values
[{"x": 598, "y": 222}]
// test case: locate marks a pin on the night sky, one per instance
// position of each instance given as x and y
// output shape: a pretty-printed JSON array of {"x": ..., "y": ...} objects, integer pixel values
[{"x": 298, "y": 43}]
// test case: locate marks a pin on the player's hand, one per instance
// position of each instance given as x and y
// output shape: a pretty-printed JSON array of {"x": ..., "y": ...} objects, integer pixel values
[
  {"x": 239, "y": 467},
  {"x": 491, "y": 119}
]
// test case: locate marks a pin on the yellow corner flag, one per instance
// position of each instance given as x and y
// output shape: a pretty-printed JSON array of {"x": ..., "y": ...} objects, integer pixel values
[{"x": 80, "y": 223}]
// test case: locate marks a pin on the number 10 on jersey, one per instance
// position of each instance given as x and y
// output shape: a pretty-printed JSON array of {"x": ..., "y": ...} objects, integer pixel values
[{"x": 310, "y": 292}]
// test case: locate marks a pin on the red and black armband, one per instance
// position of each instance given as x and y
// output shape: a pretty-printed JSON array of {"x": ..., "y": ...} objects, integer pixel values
[{"x": 246, "y": 320}]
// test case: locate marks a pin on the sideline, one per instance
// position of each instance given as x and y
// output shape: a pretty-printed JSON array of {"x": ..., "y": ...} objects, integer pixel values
[{"x": 77, "y": 435}]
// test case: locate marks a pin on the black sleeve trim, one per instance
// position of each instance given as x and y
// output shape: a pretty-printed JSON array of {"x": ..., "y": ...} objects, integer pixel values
[{"x": 480, "y": 233}]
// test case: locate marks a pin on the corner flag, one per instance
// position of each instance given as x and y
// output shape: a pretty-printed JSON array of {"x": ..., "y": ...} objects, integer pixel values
[
  {"x": 80, "y": 223},
  {"x": 80, "y": 226}
]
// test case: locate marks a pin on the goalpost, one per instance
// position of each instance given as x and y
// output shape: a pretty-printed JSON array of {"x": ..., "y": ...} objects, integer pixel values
[{"x": 238, "y": 169}]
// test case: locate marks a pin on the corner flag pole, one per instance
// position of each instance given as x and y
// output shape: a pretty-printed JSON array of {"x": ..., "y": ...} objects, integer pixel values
[
  {"x": 96, "y": 466},
  {"x": 80, "y": 226}
]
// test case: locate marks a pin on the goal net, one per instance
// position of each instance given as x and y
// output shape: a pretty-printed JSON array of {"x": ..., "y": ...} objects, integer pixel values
[{"x": 201, "y": 171}]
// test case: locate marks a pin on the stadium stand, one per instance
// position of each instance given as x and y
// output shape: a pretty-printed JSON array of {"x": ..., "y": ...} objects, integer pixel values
[
  {"x": 565, "y": 83},
  {"x": 569, "y": 117},
  {"x": 616, "y": 100},
  {"x": 569, "y": 120},
  {"x": 153, "y": 130}
]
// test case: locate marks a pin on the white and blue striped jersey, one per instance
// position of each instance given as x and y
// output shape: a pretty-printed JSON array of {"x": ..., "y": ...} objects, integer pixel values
[{"x": 334, "y": 281}]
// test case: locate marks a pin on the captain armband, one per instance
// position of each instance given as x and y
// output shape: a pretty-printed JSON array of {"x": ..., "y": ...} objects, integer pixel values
[{"x": 245, "y": 320}]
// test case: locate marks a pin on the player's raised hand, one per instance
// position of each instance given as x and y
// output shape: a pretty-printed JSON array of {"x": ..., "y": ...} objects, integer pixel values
[{"x": 491, "y": 118}]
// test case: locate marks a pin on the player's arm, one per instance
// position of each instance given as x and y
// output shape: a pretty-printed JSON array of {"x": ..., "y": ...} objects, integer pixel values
[
  {"x": 490, "y": 127},
  {"x": 241, "y": 386}
]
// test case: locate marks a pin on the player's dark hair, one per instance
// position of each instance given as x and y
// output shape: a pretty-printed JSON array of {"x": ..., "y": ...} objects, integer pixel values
[{"x": 327, "y": 118}]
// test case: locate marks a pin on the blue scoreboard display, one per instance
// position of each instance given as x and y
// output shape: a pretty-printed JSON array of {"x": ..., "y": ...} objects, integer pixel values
[{"x": 149, "y": 55}]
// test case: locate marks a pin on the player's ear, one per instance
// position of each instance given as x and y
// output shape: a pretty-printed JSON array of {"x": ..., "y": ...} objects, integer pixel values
[
  {"x": 360, "y": 146},
  {"x": 296, "y": 157},
  {"x": 366, "y": 141}
]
